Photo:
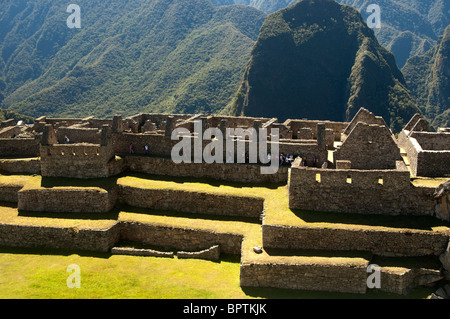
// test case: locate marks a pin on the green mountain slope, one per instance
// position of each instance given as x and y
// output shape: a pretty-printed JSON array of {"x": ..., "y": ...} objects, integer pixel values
[
  {"x": 428, "y": 78},
  {"x": 128, "y": 56},
  {"x": 267, "y": 6},
  {"x": 318, "y": 59},
  {"x": 7, "y": 115},
  {"x": 408, "y": 27}
]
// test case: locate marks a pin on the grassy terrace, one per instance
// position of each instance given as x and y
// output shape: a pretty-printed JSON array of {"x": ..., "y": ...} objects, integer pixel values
[
  {"x": 31, "y": 274},
  {"x": 277, "y": 210}
]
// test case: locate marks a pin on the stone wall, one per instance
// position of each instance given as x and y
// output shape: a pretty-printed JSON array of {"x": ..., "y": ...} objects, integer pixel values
[
  {"x": 212, "y": 253},
  {"x": 381, "y": 242},
  {"x": 60, "y": 238},
  {"x": 402, "y": 280},
  {"x": 161, "y": 146},
  {"x": 76, "y": 160},
  {"x": 320, "y": 277},
  {"x": 103, "y": 240},
  {"x": 10, "y": 132},
  {"x": 423, "y": 160},
  {"x": 354, "y": 191},
  {"x": 140, "y": 252},
  {"x": 181, "y": 238},
  {"x": 430, "y": 141},
  {"x": 433, "y": 164},
  {"x": 19, "y": 147},
  {"x": 192, "y": 202},
  {"x": 364, "y": 116},
  {"x": 244, "y": 173},
  {"x": 8, "y": 193},
  {"x": 67, "y": 200},
  {"x": 78, "y": 135},
  {"x": 296, "y": 125},
  {"x": 20, "y": 166}
]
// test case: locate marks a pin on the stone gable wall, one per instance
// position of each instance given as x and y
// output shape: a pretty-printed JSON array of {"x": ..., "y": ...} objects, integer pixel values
[
  {"x": 364, "y": 116},
  {"x": 369, "y": 147}
]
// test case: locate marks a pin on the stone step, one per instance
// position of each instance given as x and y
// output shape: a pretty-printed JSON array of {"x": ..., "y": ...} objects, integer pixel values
[
  {"x": 132, "y": 251},
  {"x": 211, "y": 253}
]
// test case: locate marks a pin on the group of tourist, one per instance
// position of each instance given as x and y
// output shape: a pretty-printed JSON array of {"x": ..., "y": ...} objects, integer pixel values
[
  {"x": 146, "y": 149},
  {"x": 288, "y": 160},
  {"x": 284, "y": 159}
]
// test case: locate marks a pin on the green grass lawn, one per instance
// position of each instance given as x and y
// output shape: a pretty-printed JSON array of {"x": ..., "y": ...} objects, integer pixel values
[{"x": 28, "y": 274}]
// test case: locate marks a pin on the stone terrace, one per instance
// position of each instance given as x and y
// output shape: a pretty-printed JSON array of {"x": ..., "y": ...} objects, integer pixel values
[
  {"x": 300, "y": 249},
  {"x": 304, "y": 228}
]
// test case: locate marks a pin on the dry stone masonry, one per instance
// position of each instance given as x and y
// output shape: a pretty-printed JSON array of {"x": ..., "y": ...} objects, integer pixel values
[{"x": 341, "y": 169}]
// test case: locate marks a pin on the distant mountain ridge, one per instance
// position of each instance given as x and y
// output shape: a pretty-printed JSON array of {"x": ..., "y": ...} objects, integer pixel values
[
  {"x": 268, "y": 6},
  {"x": 319, "y": 60},
  {"x": 177, "y": 56},
  {"x": 428, "y": 77},
  {"x": 408, "y": 27}
]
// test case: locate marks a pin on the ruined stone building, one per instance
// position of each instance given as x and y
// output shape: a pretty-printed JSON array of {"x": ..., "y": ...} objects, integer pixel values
[{"x": 341, "y": 168}]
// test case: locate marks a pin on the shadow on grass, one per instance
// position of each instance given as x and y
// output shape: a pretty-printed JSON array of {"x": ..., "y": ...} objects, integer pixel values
[
  {"x": 193, "y": 216},
  {"x": 429, "y": 262},
  {"x": 53, "y": 252},
  {"x": 104, "y": 255},
  {"x": 8, "y": 204},
  {"x": 318, "y": 253},
  {"x": 407, "y": 222},
  {"x": 104, "y": 183},
  {"x": 112, "y": 215},
  {"x": 208, "y": 181},
  {"x": 278, "y": 293}
]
